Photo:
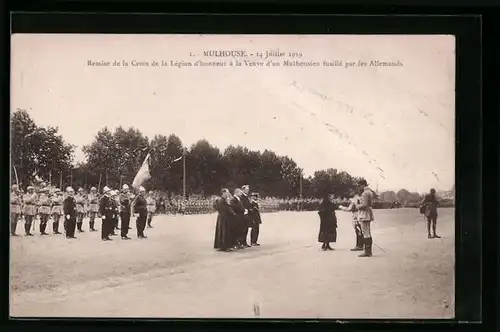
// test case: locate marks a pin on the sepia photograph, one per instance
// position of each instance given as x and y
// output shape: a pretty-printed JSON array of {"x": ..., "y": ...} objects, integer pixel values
[{"x": 232, "y": 176}]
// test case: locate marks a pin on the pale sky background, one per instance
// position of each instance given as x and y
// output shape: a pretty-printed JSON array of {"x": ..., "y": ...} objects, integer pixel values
[{"x": 393, "y": 125}]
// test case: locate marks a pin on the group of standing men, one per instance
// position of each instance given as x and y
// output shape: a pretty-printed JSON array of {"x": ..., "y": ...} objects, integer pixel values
[
  {"x": 111, "y": 207},
  {"x": 236, "y": 215}
]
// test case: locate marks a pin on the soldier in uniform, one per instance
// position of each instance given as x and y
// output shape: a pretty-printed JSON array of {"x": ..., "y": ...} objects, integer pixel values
[
  {"x": 15, "y": 209},
  {"x": 93, "y": 207},
  {"x": 355, "y": 201},
  {"x": 106, "y": 211},
  {"x": 44, "y": 210},
  {"x": 365, "y": 216},
  {"x": 80, "y": 204},
  {"x": 256, "y": 219},
  {"x": 151, "y": 208},
  {"x": 57, "y": 201},
  {"x": 125, "y": 199},
  {"x": 430, "y": 205},
  {"x": 29, "y": 209},
  {"x": 141, "y": 212},
  {"x": 70, "y": 213}
]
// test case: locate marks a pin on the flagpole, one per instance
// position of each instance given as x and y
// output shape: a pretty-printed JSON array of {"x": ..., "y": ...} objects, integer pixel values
[
  {"x": 15, "y": 173},
  {"x": 71, "y": 178},
  {"x": 60, "y": 180},
  {"x": 184, "y": 173},
  {"x": 99, "y": 185},
  {"x": 50, "y": 177}
]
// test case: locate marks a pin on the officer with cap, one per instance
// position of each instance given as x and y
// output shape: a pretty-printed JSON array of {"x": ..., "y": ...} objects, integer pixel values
[
  {"x": 93, "y": 207},
  {"x": 125, "y": 211},
  {"x": 115, "y": 200},
  {"x": 365, "y": 216},
  {"x": 15, "y": 209},
  {"x": 44, "y": 210},
  {"x": 80, "y": 203},
  {"x": 57, "y": 201},
  {"x": 151, "y": 208},
  {"x": 106, "y": 211},
  {"x": 70, "y": 213},
  {"x": 141, "y": 212},
  {"x": 29, "y": 209}
]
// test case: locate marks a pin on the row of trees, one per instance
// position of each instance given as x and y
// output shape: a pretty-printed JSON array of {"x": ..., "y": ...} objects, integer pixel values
[{"x": 114, "y": 157}]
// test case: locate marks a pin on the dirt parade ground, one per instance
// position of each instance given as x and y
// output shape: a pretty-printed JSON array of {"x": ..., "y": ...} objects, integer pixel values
[{"x": 175, "y": 273}]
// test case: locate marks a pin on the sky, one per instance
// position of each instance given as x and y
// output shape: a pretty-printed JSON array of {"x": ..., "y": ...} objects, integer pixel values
[{"x": 395, "y": 126}]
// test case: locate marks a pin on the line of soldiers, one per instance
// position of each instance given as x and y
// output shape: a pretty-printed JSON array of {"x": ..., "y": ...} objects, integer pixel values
[
  {"x": 236, "y": 214},
  {"x": 47, "y": 204}
]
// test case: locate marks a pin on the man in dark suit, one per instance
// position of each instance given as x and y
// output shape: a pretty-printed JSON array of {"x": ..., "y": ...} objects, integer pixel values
[
  {"x": 256, "y": 220},
  {"x": 69, "y": 208},
  {"x": 141, "y": 212},
  {"x": 430, "y": 205},
  {"x": 238, "y": 222},
  {"x": 106, "y": 211},
  {"x": 247, "y": 218}
]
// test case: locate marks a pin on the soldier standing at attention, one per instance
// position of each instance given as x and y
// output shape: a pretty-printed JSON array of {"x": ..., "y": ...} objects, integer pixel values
[
  {"x": 70, "y": 213},
  {"x": 365, "y": 216},
  {"x": 57, "y": 201},
  {"x": 141, "y": 212},
  {"x": 44, "y": 210},
  {"x": 15, "y": 209},
  {"x": 80, "y": 203},
  {"x": 106, "y": 211},
  {"x": 29, "y": 210},
  {"x": 151, "y": 208},
  {"x": 125, "y": 211},
  {"x": 430, "y": 205},
  {"x": 93, "y": 207}
]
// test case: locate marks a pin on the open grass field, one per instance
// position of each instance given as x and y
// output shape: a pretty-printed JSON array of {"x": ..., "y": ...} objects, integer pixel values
[{"x": 176, "y": 273}]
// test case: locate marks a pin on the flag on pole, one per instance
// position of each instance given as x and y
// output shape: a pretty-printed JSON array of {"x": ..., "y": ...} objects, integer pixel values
[{"x": 143, "y": 174}]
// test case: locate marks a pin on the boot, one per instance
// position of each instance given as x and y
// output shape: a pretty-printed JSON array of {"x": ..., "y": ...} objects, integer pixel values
[
  {"x": 55, "y": 227},
  {"x": 323, "y": 247},
  {"x": 328, "y": 247},
  {"x": 359, "y": 243},
  {"x": 368, "y": 248},
  {"x": 79, "y": 225},
  {"x": 434, "y": 235},
  {"x": 43, "y": 227},
  {"x": 13, "y": 226},
  {"x": 27, "y": 229},
  {"x": 91, "y": 224}
]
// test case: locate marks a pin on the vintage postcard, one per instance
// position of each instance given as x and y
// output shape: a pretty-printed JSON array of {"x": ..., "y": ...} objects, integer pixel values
[{"x": 232, "y": 176}]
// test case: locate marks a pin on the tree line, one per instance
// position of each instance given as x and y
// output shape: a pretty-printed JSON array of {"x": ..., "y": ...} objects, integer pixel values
[{"x": 114, "y": 157}]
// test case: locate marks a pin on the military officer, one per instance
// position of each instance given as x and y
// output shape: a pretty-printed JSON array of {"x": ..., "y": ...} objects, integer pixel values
[
  {"x": 70, "y": 213},
  {"x": 141, "y": 212},
  {"x": 355, "y": 201},
  {"x": 151, "y": 202},
  {"x": 15, "y": 209},
  {"x": 365, "y": 216},
  {"x": 80, "y": 209},
  {"x": 93, "y": 207},
  {"x": 125, "y": 211},
  {"x": 44, "y": 209},
  {"x": 57, "y": 201},
  {"x": 106, "y": 211},
  {"x": 29, "y": 210}
]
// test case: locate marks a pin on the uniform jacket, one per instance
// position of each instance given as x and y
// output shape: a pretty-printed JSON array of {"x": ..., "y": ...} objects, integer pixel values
[
  {"x": 69, "y": 207},
  {"x": 238, "y": 208},
  {"x": 255, "y": 212},
  {"x": 15, "y": 203},
  {"x": 365, "y": 212},
  {"x": 57, "y": 202},
  {"x": 151, "y": 202},
  {"x": 430, "y": 204},
  {"x": 140, "y": 205},
  {"x": 29, "y": 204},
  {"x": 106, "y": 207},
  {"x": 354, "y": 202},
  {"x": 125, "y": 203},
  {"x": 44, "y": 204},
  {"x": 80, "y": 203}
]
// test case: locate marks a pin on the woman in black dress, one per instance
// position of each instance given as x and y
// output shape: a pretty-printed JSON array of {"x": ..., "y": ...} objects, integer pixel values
[
  {"x": 224, "y": 237},
  {"x": 328, "y": 222}
]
